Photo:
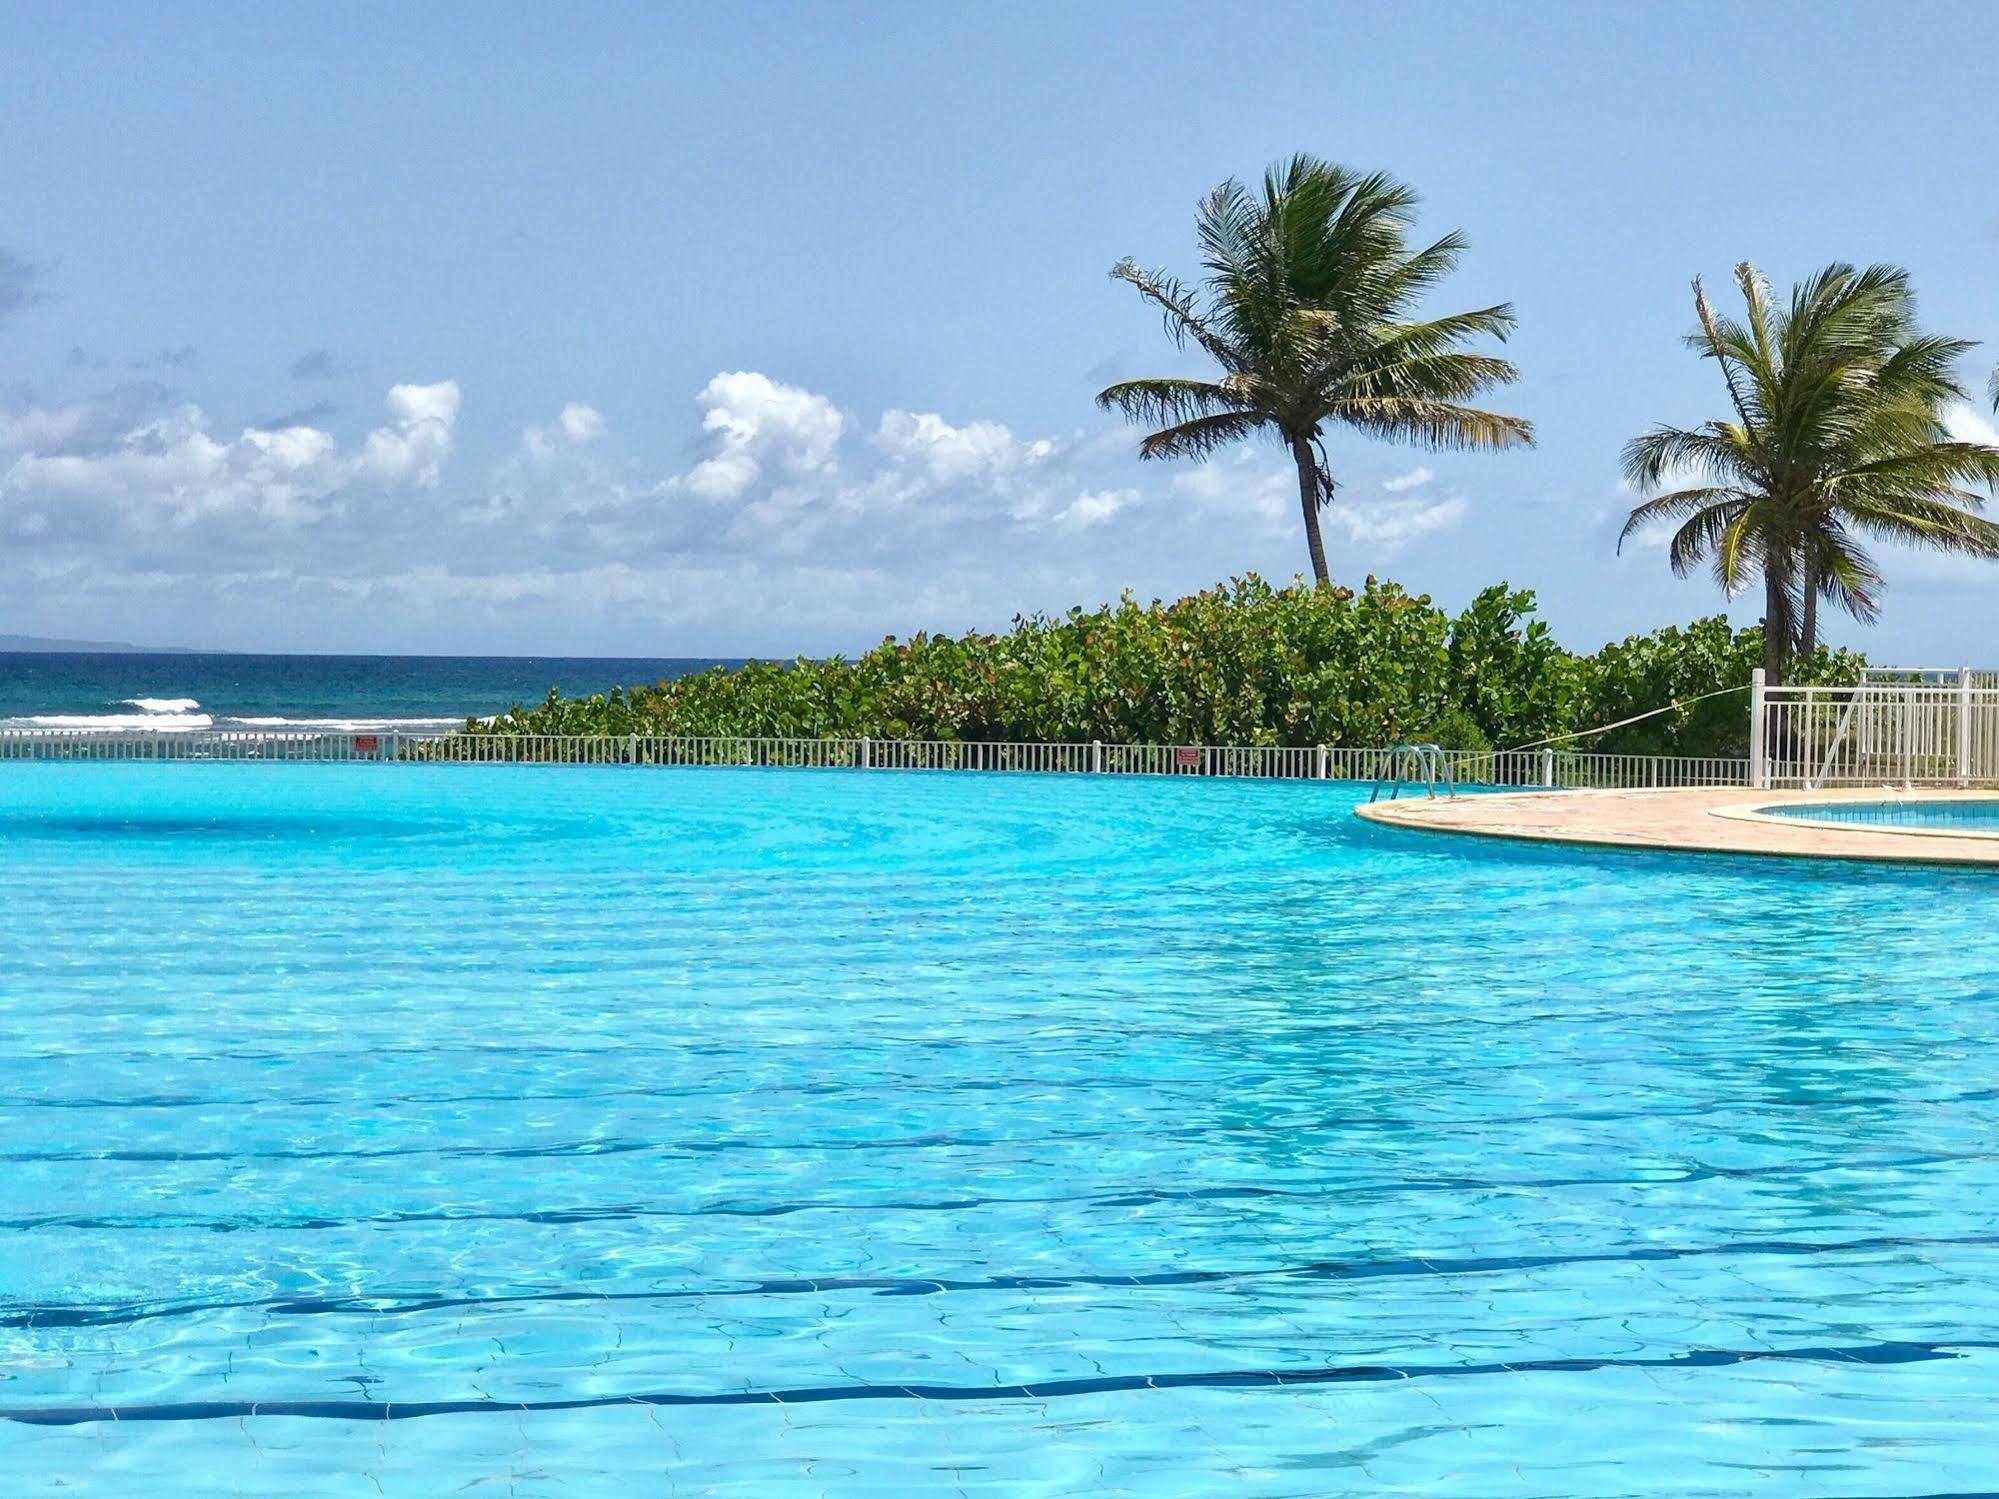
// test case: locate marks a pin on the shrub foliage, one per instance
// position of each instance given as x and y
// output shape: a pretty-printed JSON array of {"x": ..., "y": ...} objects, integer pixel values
[{"x": 1245, "y": 663}]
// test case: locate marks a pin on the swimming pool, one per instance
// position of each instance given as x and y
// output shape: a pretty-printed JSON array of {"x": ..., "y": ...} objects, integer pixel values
[
  {"x": 597, "y": 1131},
  {"x": 1953, "y": 816}
]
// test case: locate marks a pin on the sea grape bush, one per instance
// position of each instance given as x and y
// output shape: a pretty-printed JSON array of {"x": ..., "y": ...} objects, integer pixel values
[{"x": 1245, "y": 663}]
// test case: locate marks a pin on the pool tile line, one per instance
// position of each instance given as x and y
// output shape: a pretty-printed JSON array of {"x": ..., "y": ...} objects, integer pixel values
[
  {"x": 1884, "y": 1354},
  {"x": 1434, "y": 1266}
]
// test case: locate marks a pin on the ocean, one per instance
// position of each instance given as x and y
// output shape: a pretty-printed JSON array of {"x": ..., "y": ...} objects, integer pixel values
[{"x": 141, "y": 691}]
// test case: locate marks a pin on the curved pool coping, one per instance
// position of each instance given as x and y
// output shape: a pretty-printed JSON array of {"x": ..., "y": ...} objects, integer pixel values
[
  {"x": 1712, "y": 820},
  {"x": 1763, "y": 812}
]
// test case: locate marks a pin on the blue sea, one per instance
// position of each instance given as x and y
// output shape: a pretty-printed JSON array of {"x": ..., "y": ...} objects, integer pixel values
[
  {"x": 113, "y": 691},
  {"x": 410, "y": 1130}
]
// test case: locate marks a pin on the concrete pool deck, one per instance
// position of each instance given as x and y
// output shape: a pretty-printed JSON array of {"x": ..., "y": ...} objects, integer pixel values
[{"x": 1716, "y": 820}]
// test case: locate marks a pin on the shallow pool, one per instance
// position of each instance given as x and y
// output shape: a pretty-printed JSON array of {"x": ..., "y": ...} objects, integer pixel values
[
  {"x": 424, "y": 1130},
  {"x": 1955, "y": 816}
]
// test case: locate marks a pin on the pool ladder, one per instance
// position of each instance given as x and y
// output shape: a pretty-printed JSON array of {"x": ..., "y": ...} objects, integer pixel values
[{"x": 1428, "y": 763}]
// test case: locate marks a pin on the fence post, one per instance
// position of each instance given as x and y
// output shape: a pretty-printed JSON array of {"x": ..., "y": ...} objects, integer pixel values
[
  {"x": 1319, "y": 773},
  {"x": 1548, "y": 768},
  {"x": 867, "y": 747},
  {"x": 1096, "y": 757},
  {"x": 1759, "y": 775},
  {"x": 1964, "y": 726}
]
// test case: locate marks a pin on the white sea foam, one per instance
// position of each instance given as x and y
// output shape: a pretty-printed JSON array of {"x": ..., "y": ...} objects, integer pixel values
[
  {"x": 344, "y": 725},
  {"x": 184, "y": 723},
  {"x": 119, "y": 723},
  {"x": 183, "y": 715}
]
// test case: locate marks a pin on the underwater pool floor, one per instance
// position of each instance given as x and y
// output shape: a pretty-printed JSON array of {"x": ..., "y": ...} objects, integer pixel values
[{"x": 599, "y": 1131}]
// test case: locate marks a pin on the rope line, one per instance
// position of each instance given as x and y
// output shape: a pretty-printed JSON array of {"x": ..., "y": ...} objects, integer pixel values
[{"x": 1635, "y": 718}]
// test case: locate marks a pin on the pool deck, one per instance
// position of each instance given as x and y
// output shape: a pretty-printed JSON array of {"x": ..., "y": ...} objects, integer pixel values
[{"x": 1718, "y": 820}]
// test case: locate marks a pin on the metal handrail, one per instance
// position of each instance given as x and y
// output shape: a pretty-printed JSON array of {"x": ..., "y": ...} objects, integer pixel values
[{"x": 1429, "y": 761}]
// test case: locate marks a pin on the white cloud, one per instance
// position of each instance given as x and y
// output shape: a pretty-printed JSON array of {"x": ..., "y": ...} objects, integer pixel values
[
  {"x": 1095, "y": 508},
  {"x": 777, "y": 532},
  {"x": 946, "y": 454},
  {"x": 1245, "y": 488},
  {"x": 414, "y": 448},
  {"x": 43, "y": 427},
  {"x": 756, "y": 423},
  {"x": 1416, "y": 478},
  {"x": 1965, "y": 425},
  {"x": 173, "y": 470},
  {"x": 581, "y": 423},
  {"x": 575, "y": 426},
  {"x": 1390, "y": 526}
]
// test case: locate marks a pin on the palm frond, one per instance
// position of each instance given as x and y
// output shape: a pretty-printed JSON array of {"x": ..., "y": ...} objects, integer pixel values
[
  {"x": 1201, "y": 436},
  {"x": 1699, "y": 535},
  {"x": 1160, "y": 402},
  {"x": 1439, "y": 377},
  {"x": 1717, "y": 451},
  {"x": 1439, "y": 426},
  {"x": 1182, "y": 318},
  {"x": 1680, "y": 505},
  {"x": 1925, "y": 520},
  {"x": 1308, "y": 303}
]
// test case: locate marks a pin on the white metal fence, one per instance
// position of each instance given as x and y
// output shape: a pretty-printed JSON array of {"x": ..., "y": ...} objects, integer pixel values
[
  {"x": 1537, "y": 767},
  {"x": 1892, "y": 727},
  {"x": 1928, "y": 676},
  {"x": 1895, "y": 725}
]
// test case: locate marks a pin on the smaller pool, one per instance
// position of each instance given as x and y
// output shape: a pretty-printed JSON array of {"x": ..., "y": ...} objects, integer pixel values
[{"x": 1970, "y": 815}]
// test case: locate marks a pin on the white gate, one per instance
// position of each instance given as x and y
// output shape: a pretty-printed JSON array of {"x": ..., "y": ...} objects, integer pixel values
[{"x": 1893, "y": 727}]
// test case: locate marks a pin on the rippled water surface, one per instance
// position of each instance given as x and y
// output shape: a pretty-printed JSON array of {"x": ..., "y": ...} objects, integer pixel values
[{"x": 420, "y": 1131}]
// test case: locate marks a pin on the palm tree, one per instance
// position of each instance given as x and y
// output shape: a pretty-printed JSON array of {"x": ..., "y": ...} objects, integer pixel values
[
  {"x": 1306, "y": 307},
  {"x": 1837, "y": 435}
]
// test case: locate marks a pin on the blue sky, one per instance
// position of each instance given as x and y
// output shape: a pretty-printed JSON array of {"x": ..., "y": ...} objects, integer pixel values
[{"x": 769, "y": 328}]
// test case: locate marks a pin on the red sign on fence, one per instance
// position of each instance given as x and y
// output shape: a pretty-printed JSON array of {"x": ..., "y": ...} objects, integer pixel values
[
  {"x": 1187, "y": 759},
  {"x": 367, "y": 744}
]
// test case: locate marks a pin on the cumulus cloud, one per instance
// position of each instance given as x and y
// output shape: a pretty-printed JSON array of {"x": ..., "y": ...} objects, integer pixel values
[
  {"x": 575, "y": 426},
  {"x": 28, "y": 425},
  {"x": 1095, "y": 508},
  {"x": 171, "y": 470},
  {"x": 792, "y": 525},
  {"x": 944, "y": 454},
  {"x": 1264, "y": 495},
  {"x": 581, "y": 423},
  {"x": 1246, "y": 486},
  {"x": 1390, "y": 526},
  {"x": 755, "y": 425},
  {"x": 1965, "y": 425},
  {"x": 83, "y": 424},
  {"x": 413, "y": 448},
  {"x": 174, "y": 470}
]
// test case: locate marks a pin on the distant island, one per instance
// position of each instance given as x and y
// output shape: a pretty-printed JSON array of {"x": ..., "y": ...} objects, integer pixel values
[{"x": 94, "y": 647}]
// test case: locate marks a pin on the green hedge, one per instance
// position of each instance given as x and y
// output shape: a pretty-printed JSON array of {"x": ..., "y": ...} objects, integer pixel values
[{"x": 1245, "y": 663}]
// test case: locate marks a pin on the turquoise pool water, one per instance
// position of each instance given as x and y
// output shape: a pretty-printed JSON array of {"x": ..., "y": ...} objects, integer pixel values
[
  {"x": 589, "y": 1132},
  {"x": 1967, "y": 816}
]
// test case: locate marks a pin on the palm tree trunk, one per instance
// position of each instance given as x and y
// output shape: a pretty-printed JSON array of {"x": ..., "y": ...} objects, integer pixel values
[
  {"x": 1776, "y": 622},
  {"x": 1308, "y": 501},
  {"x": 1808, "y": 627}
]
